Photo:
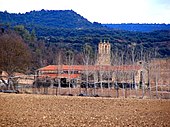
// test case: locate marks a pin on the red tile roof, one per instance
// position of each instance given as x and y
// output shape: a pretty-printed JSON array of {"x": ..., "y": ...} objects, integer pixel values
[
  {"x": 90, "y": 67},
  {"x": 69, "y": 76}
]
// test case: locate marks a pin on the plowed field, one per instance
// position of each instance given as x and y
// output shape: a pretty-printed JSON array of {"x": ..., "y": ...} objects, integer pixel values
[{"x": 25, "y": 110}]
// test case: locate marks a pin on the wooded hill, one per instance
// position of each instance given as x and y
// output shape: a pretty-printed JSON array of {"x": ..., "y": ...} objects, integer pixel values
[
  {"x": 47, "y": 32},
  {"x": 139, "y": 27},
  {"x": 47, "y": 19}
]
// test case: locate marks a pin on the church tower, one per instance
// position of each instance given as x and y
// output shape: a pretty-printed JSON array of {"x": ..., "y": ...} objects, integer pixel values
[{"x": 104, "y": 53}]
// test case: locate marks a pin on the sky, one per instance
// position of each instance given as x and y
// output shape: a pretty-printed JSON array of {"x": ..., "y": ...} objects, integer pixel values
[{"x": 102, "y": 11}]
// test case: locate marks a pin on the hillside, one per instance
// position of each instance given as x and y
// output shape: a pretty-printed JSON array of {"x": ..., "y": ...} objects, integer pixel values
[
  {"x": 139, "y": 27},
  {"x": 47, "y": 19}
]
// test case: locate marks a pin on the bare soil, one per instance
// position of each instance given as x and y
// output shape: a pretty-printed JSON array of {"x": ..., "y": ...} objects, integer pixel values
[{"x": 28, "y": 110}]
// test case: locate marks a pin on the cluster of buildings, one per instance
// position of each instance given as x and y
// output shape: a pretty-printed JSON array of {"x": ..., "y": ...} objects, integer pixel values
[
  {"x": 101, "y": 72},
  {"x": 156, "y": 72}
]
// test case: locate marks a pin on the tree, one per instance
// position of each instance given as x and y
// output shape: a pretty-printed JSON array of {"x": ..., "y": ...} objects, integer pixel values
[
  {"x": 132, "y": 48},
  {"x": 20, "y": 29},
  {"x": 87, "y": 59},
  {"x": 14, "y": 55},
  {"x": 70, "y": 61},
  {"x": 33, "y": 36}
]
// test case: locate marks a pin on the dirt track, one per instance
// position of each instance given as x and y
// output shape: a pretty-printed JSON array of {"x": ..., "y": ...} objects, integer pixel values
[{"x": 20, "y": 110}]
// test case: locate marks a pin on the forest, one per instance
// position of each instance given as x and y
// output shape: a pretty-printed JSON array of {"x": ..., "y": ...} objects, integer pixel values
[{"x": 145, "y": 27}]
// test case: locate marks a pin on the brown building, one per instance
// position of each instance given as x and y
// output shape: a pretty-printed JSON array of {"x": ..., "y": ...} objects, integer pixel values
[{"x": 104, "y": 50}]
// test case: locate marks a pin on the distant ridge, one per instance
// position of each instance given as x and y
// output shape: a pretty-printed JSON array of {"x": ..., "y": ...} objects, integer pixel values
[
  {"x": 70, "y": 20},
  {"x": 48, "y": 18},
  {"x": 139, "y": 27}
]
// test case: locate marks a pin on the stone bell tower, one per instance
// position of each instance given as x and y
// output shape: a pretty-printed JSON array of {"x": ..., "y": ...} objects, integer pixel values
[{"x": 104, "y": 53}]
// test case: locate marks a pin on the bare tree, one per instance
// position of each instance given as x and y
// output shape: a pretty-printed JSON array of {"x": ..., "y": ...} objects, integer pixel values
[
  {"x": 109, "y": 74},
  {"x": 15, "y": 55},
  {"x": 59, "y": 71},
  {"x": 87, "y": 59},
  {"x": 116, "y": 62},
  {"x": 148, "y": 71},
  {"x": 70, "y": 61},
  {"x": 101, "y": 74},
  {"x": 133, "y": 46},
  {"x": 156, "y": 68}
]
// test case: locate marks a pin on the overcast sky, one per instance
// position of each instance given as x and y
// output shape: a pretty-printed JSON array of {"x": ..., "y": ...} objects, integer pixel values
[{"x": 102, "y": 11}]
